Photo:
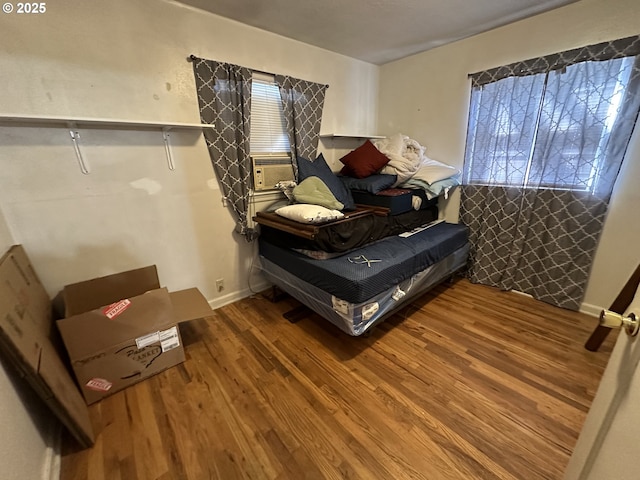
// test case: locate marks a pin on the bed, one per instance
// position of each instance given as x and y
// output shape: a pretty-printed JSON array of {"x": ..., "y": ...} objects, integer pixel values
[
  {"x": 384, "y": 246},
  {"x": 358, "y": 289}
]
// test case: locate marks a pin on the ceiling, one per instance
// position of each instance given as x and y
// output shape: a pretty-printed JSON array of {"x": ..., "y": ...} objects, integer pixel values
[{"x": 376, "y": 31}]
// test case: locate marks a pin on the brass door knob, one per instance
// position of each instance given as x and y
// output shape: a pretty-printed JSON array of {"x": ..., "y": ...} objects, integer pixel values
[{"x": 630, "y": 323}]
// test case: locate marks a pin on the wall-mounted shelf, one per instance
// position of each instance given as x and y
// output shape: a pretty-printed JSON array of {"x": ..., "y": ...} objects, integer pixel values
[
  {"x": 344, "y": 135},
  {"x": 84, "y": 122},
  {"x": 74, "y": 124}
]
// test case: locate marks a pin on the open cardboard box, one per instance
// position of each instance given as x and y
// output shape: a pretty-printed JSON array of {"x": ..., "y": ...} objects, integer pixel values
[{"x": 123, "y": 328}]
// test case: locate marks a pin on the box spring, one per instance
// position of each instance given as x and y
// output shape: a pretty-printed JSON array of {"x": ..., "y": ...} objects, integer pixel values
[{"x": 358, "y": 289}]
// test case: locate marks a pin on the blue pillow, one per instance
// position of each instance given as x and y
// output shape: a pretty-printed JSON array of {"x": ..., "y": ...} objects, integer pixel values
[
  {"x": 372, "y": 183},
  {"x": 320, "y": 169}
]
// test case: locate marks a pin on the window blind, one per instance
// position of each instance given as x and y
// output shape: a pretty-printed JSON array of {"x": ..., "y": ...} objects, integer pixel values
[{"x": 268, "y": 129}]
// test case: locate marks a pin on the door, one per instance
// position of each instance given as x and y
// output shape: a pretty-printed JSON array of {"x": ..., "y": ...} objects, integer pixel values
[{"x": 609, "y": 445}]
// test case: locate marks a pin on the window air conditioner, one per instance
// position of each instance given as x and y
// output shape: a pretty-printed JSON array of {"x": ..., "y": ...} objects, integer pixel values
[{"x": 268, "y": 171}]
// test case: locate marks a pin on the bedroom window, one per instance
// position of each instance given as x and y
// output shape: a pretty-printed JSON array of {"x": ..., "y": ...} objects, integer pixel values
[
  {"x": 268, "y": 130},
  {"x": 556, "y": 129},
  {"x": 268, "y": 141},
  {"x": 547, "y": 137}
]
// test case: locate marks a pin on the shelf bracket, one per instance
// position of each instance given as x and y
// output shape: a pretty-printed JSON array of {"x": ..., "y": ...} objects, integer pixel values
[
  {"x": 167, "y": 148},
  {"x": 75, "y": 136}
]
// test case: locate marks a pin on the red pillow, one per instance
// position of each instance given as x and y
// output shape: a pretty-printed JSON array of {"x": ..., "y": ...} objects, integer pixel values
[{"x": 363, "y": 161}]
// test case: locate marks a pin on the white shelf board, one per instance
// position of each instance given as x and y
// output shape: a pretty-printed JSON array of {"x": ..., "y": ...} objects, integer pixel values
[
  {"x": 344, "y": 135},
  {"x": 80, "y": 122}
]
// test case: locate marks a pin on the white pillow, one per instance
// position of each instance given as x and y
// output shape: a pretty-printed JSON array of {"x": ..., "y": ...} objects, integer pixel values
[
  {"x": 432, "y": 171},
  {"x": 308, "y": 213}
]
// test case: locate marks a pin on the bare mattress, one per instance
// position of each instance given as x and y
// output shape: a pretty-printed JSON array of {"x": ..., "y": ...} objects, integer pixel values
[{"x": 357, "y": 289}]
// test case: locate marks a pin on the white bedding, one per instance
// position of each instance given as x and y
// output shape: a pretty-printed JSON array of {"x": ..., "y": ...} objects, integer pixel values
[
  {"x": 409, "y": 162},
  {"x": 405, "y": 156}
]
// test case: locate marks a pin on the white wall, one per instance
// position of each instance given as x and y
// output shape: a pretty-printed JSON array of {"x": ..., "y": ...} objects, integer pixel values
[
  {"x": 426, "y": 96},
  {"x": 24, "y": 450},
  {"x": 27, "y": 446},
  {"x": 127, "y": 60},
  {"x": 6, "y": 239}
]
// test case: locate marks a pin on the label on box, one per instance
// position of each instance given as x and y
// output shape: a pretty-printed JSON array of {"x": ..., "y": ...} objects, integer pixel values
[
  {"x": 99, "y": 384},
  {"x": 420, "y": 229},
  {"x": 115, "y": 309},
  {"x": 169, "y": 339},
  {"x": 148, "y": 339}
]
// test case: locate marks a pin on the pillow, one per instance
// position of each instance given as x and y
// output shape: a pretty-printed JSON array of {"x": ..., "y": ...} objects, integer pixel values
[
  {"x": 276, "y": 205},
  {"x": 432, "y": 171},
  {"x": 306, "y": 213},
  {"x": 315, "y": 191},
  {"x": 363, "y": 161},
  {"x": 372, "y": 184},
  {"x": 436, "y": 189},
  {"x": 442, "y": 187},
  {"x": 320, "y": 169}
]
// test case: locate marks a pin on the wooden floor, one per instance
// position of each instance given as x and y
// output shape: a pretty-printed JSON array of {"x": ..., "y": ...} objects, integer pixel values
[{"x": 466, "y": 383}]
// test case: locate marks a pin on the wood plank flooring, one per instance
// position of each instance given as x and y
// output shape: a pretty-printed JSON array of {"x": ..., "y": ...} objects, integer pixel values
[{"x": 467, "y": 382}]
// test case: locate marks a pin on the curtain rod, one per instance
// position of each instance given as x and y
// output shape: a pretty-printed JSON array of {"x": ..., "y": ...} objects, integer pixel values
[{"x": 191, "y": 58}]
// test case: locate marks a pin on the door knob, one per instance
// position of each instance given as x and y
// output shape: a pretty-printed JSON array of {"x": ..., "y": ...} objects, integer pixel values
[{"x": 611, "y": 319}]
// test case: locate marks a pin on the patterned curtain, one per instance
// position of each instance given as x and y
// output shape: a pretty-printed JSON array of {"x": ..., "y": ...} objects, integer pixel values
[
  {"x": 224, "y": 96},
  {"x": 545, "y": 142},
  {"x": 302, "y": 102}
]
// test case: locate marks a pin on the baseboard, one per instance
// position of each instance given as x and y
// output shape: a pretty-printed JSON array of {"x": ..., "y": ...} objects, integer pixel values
[
  {"x": 522, "y": 293},
  {"x": 591, "y": 310},
  {"x": 238, "y": 295},
  {"x": 51, "y": 467},
  {"x": 586, "y": 308}
]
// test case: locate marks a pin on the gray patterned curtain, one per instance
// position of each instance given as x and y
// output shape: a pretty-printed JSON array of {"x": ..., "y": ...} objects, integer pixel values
[
  {"x": 302, "y": 102},
  {"x": 224, "y": 96},
  {"x": 545, "y": 142}
]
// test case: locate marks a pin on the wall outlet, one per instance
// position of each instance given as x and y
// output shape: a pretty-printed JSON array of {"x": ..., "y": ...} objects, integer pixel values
[{"x": 220, "y": 284}]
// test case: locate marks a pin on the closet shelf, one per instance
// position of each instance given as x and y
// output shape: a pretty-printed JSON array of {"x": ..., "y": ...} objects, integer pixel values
[
  {"x": 344, "y": 135},
  {"x": 74, "y": 124},
  {"x": 107, "y": 123}
]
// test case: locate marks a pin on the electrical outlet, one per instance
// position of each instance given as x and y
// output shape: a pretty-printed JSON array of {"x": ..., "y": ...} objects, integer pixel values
[{"x": 220, "y": 284}]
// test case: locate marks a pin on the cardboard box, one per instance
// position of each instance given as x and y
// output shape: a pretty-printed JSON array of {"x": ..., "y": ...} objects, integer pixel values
[
  {"x": 21, "y": 282},
  {"x": 25, "y": 341},
  {"x": 123, "y": 328}
]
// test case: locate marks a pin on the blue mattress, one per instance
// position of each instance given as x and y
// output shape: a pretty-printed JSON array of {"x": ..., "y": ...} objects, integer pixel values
[{"x": 374, "y": 268}]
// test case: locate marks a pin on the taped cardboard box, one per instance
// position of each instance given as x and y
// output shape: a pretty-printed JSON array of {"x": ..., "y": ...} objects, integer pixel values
[
  {"x": 25, "y": 331},
  {"x": 123, "y": 328}
]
